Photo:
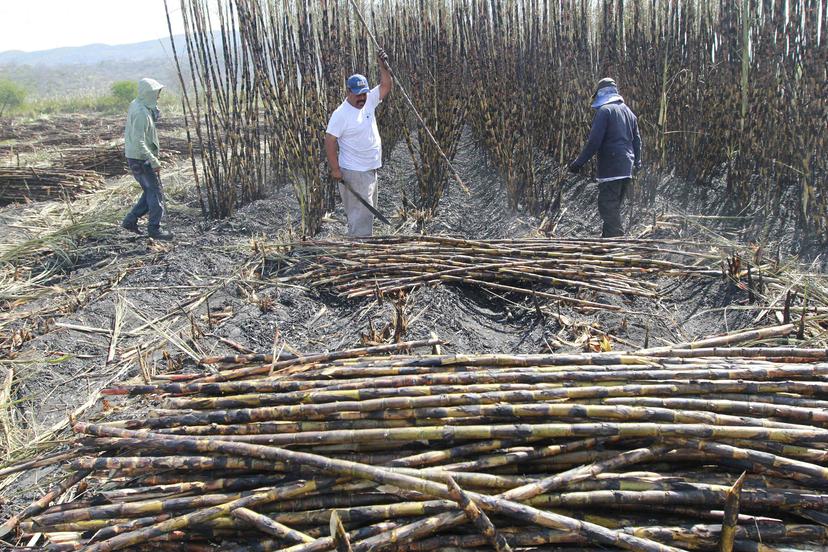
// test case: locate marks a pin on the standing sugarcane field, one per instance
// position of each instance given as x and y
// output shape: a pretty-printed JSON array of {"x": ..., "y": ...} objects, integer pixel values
[{"x": 414, "y": 275}]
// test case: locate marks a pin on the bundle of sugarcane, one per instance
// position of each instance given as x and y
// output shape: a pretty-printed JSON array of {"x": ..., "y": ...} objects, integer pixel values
[
  {"x": 524, "y": 266},
  {"x": 353, "y": 451},
  {"x": 20, "y": 184},
  {"x": 108, "y": 160}
]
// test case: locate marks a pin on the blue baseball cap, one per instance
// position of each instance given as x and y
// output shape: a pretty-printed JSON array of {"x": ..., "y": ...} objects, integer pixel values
[{"x": 358, "y": 84}]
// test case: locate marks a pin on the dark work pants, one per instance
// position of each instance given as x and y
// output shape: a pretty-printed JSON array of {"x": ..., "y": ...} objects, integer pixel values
[
  {"x": 610, "y": 196},
  {"x": 151, "y": 201}
]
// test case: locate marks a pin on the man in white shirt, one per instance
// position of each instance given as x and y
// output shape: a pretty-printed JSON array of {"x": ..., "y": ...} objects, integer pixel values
[{"x": 354, "y": 148}]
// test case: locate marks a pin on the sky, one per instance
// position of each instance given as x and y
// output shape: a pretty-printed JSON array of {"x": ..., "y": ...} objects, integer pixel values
[{"x": 32, "y": 25}]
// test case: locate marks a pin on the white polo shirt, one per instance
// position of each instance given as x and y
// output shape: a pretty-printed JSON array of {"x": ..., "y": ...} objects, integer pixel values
[{"x": 360, "y": 147}]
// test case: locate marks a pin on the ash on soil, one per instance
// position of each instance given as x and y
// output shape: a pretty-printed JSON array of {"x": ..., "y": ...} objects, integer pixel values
[{"x": 156, "y": 280}]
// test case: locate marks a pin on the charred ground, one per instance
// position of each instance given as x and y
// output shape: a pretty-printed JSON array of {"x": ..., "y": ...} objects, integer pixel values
[{"x": 216, "y": 284}]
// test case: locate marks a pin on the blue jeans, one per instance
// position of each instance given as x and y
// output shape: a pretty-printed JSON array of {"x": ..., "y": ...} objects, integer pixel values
[{"x": 151, "y": 201}]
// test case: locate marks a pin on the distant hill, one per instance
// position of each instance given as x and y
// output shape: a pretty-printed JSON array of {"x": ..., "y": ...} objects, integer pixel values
[
  {"x": 90, "y": 70},
  {"x": 94, "y": 53}
]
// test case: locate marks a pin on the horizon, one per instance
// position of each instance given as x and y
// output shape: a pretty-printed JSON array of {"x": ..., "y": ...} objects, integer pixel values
[
  {"x": 161, "y": 38},
  {"x": 84, "y": 23}
]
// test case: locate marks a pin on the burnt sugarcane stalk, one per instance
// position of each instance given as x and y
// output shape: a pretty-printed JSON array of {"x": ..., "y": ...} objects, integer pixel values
[
  {"x": 111, "y": 529},
  {"x": 747, "y": 407},
  {"x": 275, "y": 367},
  {"x": 326, "y": 543},
  {"x": 535, "y": 453},
  {"x": 730, "y": 339},
  {"x": 518, "y": 267},
  {"x": 227, "y": 484},
  {"x": 477, "y": 518},
  {"x": 164, "y": 527},
  {"x": 341, "y": 541},
  {"x": 47, "y": 460},
  {"x": 551, "y": 431},
  {"x": 731, "y": 515},
  {"x": 446, "y": 383},
  {"x": 41, "y": 504},
  {"x": 133, "y": 509},
  {"x": 425, "y": 527},
  {"x": 308, "y": 411},
  {"x": 355, "y": 470},
  {"x": 793, "y": 469},
  {"x": 523, "y": 538},
  {"x": 419, "y": 366},
  {"x": 481, "y": 413},
  {"x": 454, "y": 453},
  {"x": 270, "y": 527},
  {"x": 426, "y": 419},
  {"x": 143, "y": 463}
]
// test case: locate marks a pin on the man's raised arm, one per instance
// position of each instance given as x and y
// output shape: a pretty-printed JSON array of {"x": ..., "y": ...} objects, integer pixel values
[{"x": 386, "y": 81}]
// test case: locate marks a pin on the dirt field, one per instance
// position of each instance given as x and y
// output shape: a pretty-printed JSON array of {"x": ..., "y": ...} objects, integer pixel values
[{"x": 173, "y": 303}]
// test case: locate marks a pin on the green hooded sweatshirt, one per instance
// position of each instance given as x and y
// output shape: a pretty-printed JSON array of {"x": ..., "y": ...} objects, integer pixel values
[{"x": 140, "y": 137}]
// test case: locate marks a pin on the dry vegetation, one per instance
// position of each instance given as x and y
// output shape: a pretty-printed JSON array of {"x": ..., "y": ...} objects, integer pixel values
[{"x": 63, "y": 156}]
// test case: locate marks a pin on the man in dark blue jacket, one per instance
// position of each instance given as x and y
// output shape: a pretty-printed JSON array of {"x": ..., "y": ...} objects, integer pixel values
[{"x": 614, "y": 136}]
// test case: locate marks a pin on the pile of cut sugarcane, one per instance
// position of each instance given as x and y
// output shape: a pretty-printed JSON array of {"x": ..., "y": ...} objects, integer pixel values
[
  {"x": 107, "y": 160},
  {"x": 578, "y": 271},
  {"x": 21, "y": 184},
  {"x": 364, "y": 450}
]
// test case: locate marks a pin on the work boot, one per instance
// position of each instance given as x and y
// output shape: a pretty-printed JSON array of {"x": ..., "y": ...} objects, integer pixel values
[
  {"x": 132, "y": 227},
  {"x": 160, "y": 235}
]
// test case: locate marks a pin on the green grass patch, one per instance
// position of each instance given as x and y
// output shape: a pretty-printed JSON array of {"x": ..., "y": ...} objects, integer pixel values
[{"x": 108, "y": 104}]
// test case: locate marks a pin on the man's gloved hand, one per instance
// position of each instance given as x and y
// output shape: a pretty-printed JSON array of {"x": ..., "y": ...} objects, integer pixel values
[
  {"x": 574, "y": 169},
  {"x": 382, "y": 56}
]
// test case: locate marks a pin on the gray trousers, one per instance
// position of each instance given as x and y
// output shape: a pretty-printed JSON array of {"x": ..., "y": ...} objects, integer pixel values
[
  {"x": 360, "y": 219},
  {"x": 610, "y": 196}
]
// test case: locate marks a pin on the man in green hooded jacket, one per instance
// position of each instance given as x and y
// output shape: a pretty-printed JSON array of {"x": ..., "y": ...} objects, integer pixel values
[{"x": 142, "y": 150}]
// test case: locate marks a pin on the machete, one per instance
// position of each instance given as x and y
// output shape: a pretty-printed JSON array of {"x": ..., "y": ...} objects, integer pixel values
[{"x": 364, "y": 202}]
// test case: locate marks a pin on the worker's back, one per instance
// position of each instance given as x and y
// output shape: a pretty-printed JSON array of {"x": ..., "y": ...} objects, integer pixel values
[{"x": 617, "y": 152}]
